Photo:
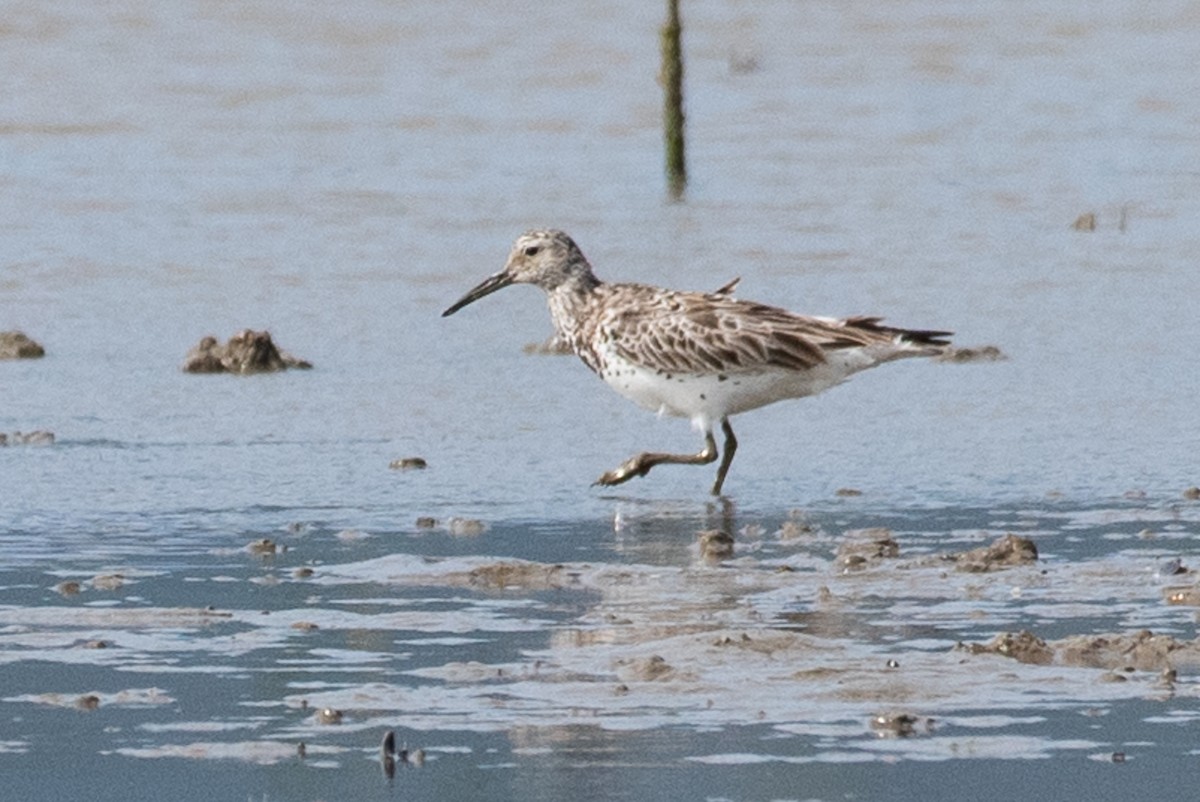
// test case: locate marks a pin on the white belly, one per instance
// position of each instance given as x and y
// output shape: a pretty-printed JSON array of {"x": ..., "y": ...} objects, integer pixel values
[{"x": 706, "y": 398}]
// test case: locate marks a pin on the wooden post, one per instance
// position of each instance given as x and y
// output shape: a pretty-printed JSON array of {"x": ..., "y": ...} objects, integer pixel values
[{"x": 672, "y": 81}]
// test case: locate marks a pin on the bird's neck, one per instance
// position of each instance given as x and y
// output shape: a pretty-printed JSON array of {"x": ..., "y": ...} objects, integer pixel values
[{"x": 570, "y": 306}]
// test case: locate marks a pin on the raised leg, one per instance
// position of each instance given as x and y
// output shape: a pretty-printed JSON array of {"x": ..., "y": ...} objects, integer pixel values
[
  {"x": 642, "y": 463},
  {"x": 726, "y": 457}
]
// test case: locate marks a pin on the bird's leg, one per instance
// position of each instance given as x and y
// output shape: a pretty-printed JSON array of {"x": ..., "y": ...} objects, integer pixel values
[
  {"x": 726, "y": 457},
  {"x": 642, "y": 463}
]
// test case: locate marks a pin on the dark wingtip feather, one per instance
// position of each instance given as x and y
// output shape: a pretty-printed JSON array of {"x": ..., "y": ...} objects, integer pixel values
[
  {"x": 914, "y": 336},
  {"x": 926, "y": 337}
]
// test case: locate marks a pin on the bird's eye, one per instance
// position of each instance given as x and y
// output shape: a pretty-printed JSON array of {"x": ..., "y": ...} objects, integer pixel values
[{"x": 531, "y": 250}]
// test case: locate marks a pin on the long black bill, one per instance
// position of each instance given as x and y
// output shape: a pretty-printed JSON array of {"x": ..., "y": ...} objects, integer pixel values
[{"x": 485, "y": 287}]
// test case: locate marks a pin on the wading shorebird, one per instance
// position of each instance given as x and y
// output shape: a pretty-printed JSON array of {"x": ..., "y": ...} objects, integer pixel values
[{"x": 703, "y": 356}]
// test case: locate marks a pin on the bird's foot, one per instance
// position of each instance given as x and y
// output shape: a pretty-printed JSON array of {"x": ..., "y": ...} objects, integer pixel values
[{"x": 634, "y": 466}]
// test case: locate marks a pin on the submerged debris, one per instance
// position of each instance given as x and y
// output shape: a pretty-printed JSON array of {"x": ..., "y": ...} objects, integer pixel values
[{"x": 245, "y": 353}]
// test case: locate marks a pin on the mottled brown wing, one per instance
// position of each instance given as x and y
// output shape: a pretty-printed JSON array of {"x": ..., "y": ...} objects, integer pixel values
[{"x": 682, "y": 332}]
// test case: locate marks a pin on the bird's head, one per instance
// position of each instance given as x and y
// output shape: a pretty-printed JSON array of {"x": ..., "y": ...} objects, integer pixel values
[{"x": 547, "y": 259}]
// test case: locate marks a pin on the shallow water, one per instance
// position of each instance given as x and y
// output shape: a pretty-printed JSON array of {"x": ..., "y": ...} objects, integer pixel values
[{"x": 339, "y": 175}]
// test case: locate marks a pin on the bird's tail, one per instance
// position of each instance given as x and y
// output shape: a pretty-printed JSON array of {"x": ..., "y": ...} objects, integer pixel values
[{"x": 914, "y": 342}]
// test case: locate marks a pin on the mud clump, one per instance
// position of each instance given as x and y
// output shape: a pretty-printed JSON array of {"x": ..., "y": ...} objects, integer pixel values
[
  {"x": 865, "y": 547},
  {"x": 328, "y": 716},
  {"x": 645, "y": 669},
  {"x": 1023, "y": 646},
  {"x": 465, "y": 527},
  {"x": 1139, "y": 651},
  {"x": 408, "y": 464},
  {"x": 108, "y": 581},
  {"x": 1142, "y": 651},
  {"x": 1085, "y": 222},
  {"x": 246, "y": 352},
  {"x": 38, "y": 437},
  {"x": 88, "y": 701},
  {"x": 1007, "y": 552},
  {"x": 714, "y": 545},
  {"x": 902, "y": 725},
  {"x": 15, "y": 345},
  {"x": 531, "y": 576}
]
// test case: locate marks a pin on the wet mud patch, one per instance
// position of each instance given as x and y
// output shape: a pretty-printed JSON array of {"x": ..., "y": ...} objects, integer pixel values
[
  {"x": 856, "y": 626},
  {"x": 92, "y": 700},
  {"x": 262, "y": 753}
]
